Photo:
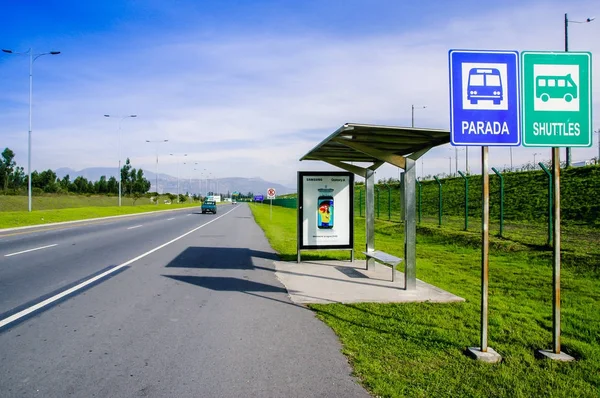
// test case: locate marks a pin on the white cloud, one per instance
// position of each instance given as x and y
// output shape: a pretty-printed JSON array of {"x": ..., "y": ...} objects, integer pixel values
[{"x": 241, "y": 106}]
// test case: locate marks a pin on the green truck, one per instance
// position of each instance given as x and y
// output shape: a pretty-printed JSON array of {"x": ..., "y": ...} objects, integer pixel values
[{"x": 209, "y": 206}]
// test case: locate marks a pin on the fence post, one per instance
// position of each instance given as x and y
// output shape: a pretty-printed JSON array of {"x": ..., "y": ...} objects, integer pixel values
[
  {"x": 419, "y": 193},
  {"x": 389, "y": 203},
  {"x": 439, "y": 201},
  {"x": 466, "y": 199},
  {"x": 501, "y": 199},
  {"x": 550, "y": 201}
]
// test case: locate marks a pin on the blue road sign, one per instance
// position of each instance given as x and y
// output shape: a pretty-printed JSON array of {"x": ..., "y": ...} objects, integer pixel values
[{"x": 484, "y": 98}]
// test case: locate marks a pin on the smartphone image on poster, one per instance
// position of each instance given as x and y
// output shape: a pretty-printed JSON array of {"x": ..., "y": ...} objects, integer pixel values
[{"x": 325, "y": 212}]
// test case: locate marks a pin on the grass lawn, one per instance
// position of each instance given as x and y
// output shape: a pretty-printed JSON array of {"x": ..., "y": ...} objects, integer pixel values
[
  {"x": 57, "y": 208},
  {"x": 417, "y": 349}
]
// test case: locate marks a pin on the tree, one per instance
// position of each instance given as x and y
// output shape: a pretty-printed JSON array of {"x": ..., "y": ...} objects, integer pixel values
[
  {"x": 80, "y": 184},
  {"x": 65, "y": 183},
  {"x": 7, "y": 165},
  {"x": 140, "y": 184},
  {"x": 112, "y": 186},
  {"x": 101, "y": 186},
  {"x": 17, "y": 178},
  {"x": 125, "y": 176},
  {"x": 182, "y": 198}
]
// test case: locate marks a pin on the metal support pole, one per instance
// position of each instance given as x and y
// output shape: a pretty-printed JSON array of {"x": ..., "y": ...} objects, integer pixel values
[
  {"x": 389, "y": 203},
  {"x": 501, "y": 200},
  {"x": 485, "y": 237},
  {"x": 568, "y": 150},
  {"x": 370, "y": 214},
  {"x": 410, "y": 226},
  {"x": 420, "y": 203},
  {"x": 550, "y": 202},
  {"x": 360, "y": 201},
  {"x": 439, "y": 200},
  {"x": 30, "y": 127},
  {"x": 402, "y": 203},
  {"x": 455, "y": 160},
  {"x": 466, "y": 199},
  {"x": 378, "y": 201},
  {"x": 556, "y": 251}
]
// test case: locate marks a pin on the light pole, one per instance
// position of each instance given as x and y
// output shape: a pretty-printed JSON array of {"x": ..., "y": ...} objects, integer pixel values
[
  {"x": 157, "y": 142},
  {"x": 537, "y": 153},
  {"x": 121, "y": 118},
  {"x": 32, "y": 58},
  {"x": 568, "y": 157},
  {"x": 177, "y": 162},
  {"x": 511, "y": 162}
]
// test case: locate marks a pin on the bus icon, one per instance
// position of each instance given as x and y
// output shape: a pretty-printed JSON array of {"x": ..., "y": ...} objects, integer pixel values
[
  {"x": 547, "y": 87},
  {"x": 485, "y": 84}
]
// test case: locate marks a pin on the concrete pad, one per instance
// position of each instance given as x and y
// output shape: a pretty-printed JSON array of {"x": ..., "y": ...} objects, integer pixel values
[
  {"x": 548, "y": 354},
  {"x": 328, "y": 281},
  {"x": 490, "y": 356}
]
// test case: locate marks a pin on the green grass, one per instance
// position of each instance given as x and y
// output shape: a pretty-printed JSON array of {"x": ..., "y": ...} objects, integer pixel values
[
  {"x": 58, "y": 208},
  {"x": 417, "y": 349}
]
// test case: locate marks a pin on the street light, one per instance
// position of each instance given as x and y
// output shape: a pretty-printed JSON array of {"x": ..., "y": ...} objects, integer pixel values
[
  {"x": 32, "y": 58},
  {"x": 537, "y": 153},
  {"x": 121, "y": 118},
  {"x": 157, "y": 142},
  {"x": 177, "y": 160},
  {"x": 190, "y": 177},
  {"x": 567, "y": 20}
]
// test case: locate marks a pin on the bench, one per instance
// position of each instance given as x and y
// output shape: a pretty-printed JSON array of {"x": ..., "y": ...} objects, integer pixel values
[{"x": 384, "y": 258}]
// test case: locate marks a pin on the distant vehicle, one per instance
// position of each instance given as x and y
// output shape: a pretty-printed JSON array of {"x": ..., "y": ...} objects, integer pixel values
[
  {"x": 209, "y": 206},
  {"x": 234, "y": 202},
  {"x": 547, "y": 87},
  {"x": 485, "y": 84}
]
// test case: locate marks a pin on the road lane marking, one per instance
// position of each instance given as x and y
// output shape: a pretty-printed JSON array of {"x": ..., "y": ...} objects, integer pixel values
[
  {"x": 48, "y": 301},
  {"x": 137, "y": 226},
  {"x": 169, "y": 219},
  {"x": 30, "y": 250}
]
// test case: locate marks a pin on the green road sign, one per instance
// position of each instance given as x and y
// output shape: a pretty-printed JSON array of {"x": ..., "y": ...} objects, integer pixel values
[{"x": 556, "y": 99}]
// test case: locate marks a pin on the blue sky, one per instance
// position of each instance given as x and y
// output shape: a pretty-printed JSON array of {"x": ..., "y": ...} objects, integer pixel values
[{"x": 245, "y": 88}]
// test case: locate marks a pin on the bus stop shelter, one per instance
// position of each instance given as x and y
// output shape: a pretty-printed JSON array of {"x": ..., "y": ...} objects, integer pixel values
[{"x": 371, "y": 146}]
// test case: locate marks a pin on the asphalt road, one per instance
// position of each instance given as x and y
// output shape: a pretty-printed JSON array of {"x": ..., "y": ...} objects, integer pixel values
[{"x": 176, "y": 304}]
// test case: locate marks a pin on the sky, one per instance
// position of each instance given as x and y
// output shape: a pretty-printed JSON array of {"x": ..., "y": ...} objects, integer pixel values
[{"x": 246, "y": 88}]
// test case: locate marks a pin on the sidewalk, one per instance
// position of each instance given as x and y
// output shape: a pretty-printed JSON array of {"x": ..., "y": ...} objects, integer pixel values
[{"x": 330, "y": 281}]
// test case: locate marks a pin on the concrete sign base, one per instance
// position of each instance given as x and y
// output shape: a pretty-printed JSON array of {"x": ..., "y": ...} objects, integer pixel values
[
  {"x": 490, "y": 356},
  {"x": 543, "y": 354}
]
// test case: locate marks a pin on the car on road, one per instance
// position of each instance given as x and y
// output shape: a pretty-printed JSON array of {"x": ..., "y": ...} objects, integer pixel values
[
  {"x": 234, "y": 202},
  {"x": 209, "y": 206}
]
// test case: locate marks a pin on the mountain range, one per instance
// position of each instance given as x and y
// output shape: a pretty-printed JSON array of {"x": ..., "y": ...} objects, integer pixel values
[{"x": 168, "y": 183}]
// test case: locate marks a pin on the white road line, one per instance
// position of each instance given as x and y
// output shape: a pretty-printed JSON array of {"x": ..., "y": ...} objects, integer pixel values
[
  {"x": 30, "y": 250},
  {"x": 188, "y": 215},
  {"x": 137, "y": 226},
  {"x": 58, "y": 296},
  {"x": 169, "y": 219}
]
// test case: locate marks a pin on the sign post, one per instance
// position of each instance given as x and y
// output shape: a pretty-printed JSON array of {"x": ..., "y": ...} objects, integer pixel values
[
  {"x": 557, "y": 101},
  {"x": 484, "y": 111},
  {"x": 271, "y": 195}
]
